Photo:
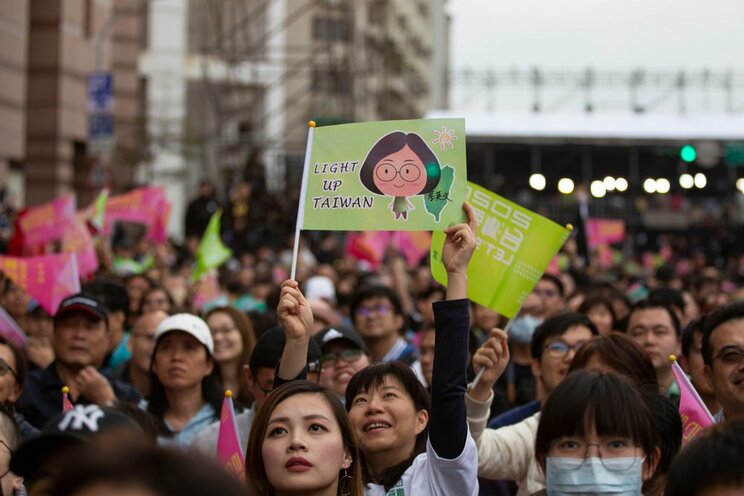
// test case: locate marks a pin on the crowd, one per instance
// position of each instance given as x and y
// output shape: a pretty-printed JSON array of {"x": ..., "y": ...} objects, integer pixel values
[{"x": 351, "y": 381}]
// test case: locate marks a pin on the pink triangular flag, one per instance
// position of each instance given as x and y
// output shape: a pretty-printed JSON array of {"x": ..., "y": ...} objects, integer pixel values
[
  {"x": 66, "y": 403},
  {"x": 694, "y": 413},
  {"x": 229, "y": 451},
  {"x": 11, "y": 330},
  {"x": 49, "y": 279},
  {"x": 47, "y": 222}
]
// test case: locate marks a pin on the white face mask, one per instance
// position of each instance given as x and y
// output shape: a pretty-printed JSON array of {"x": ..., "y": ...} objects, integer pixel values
[{"x": 615, "y": 476}]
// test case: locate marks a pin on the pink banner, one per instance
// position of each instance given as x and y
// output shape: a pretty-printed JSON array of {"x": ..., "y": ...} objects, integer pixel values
[
  {"x": 10, "y": 329},
  {"x": 47, "y": 222},
  {"x": 158, "y": 232},
  {"x": 371, "y": 245},
  {"x": 142, "y": 205},
  {"x": 48, "y": 279},
  {"x": 229, "y": 451},
  {"x": 694, "y": 413},
  {"x": 605, "y": 231},
  {"x": 79, "y": 241}
]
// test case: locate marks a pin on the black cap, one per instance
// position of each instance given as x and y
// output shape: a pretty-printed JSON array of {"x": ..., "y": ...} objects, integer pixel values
[
  {"x": 70, "y": 428},
  {"x": 82, "y": 302},
  {"x": 268, "y": 350},
  {"x": 334, "y": 333}
]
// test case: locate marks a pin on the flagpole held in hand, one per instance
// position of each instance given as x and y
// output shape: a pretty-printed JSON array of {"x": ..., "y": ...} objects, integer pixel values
[{"x": 303, "y": 193}]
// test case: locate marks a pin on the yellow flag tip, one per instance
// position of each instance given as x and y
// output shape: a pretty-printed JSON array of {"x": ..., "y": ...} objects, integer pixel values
[
  {"x": 228, "y": 393},
  {"x": 311, "y": 124},
  {"x": 672, "y": 358},
  {"x": 569, "y": 227},
  {"x": 65, "y": 390}
]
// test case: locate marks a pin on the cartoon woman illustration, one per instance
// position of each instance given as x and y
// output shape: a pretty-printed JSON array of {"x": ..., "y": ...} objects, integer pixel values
[{"x": 400, "y": 165}]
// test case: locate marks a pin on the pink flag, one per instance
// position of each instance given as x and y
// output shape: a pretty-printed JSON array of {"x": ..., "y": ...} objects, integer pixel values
[
  {"x": 371, "y": 245},
  {"x": 10, "y": 329},
  {"x": 158, "y": 232},
  {"x": 47, "y": 222},
  {"x": 605, "y": 231},
  {"x": 49, "y": 279},
  {"x": 142, "y": 205},
  {"x": 79, "y": 241},
  {"x": 694, "y": 413},
  {"x": 66, "y": 403},
  {"x": 229, "y": 451}
]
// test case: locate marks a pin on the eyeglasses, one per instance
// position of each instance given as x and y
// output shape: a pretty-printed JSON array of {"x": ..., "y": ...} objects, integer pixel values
[
  {"x": 407, "y": 172},
  {"x": 330, "y": 359},
  {"x": 730, "y": 355},
  {"x": 5, "y": 368},
  {"x": 616, "y": 454},
  {"x": 546, "y": 293},
  {"x": 559, "y": 349},
  {"x": 367, "y": 311}
]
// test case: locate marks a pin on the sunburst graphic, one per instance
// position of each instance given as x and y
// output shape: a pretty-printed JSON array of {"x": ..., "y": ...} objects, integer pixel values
[{"x": 445, "y": 138}]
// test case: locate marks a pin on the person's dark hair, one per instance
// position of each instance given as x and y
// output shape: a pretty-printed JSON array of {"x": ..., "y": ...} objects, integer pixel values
[
  {"x": 144, "y": 419},
  {"x": 154, "y": 289},
  {"x": 113, "y": 294},
  {"x": 585, "y": 397},
  {"x": 732, "y": 311},
  {"x": 21, "y": 364},
  {"x": 157, "y": 405},
  {"x": 555, "y": 327},
  {"x": 245, "y": 327},
  {"x": 619, "y": 353},
  {"x": 377, "y": 291},
  {"x": 373, "y": 377},
  {"x": 649, "y": 304},
  {"x": 255, "y": 469},
  {"x": 394, "y": 142},
  {"x": 598, "y": 301},
  {"x": 668, "y": 430},
  {"x": 712, "y": 460},
  {"x": 9, "y": 428},
  {"x": 158, "y": 471},
  {"x": 668, "y": 296},
  {"x": 555, "y": 280},
  {"x": 695, "y": 325}
]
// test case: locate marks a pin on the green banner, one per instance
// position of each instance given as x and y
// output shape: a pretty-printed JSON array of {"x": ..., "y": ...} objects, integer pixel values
[
  {"x": 385, "y": 176},
  {"x": 514, "y": 247},
  {"x": 211, "y": 252}
]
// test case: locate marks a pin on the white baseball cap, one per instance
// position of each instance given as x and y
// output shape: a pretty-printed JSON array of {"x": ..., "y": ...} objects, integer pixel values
[{"x": 190, "y": 324}]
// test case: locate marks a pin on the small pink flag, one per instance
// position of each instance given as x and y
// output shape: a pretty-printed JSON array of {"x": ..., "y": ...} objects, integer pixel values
[
  {"x": 47, "y": 222},
  {"x": 11, "y": 330},
  {"x": 66, "y": 403},
  {"x": 79, "y": 241},
  {"x": 142, "y": 205},
  {"x": 229, "y": 451},
  {"x": 49, "y": 279},
  {"x": 605, "y": 231},
  {"x": 694, "y": 413}
]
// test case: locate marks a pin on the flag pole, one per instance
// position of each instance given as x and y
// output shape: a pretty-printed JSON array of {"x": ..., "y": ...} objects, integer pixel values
[{"x": 303, "y": 193}]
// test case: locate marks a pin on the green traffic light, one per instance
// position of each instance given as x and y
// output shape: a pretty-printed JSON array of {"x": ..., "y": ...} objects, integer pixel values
[{"x": 688, "y": 153}]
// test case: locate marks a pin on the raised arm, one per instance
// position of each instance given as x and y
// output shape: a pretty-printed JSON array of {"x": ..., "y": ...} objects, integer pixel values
[
  {"x": 448, "y": 428},
  {"x": 296, "y": 319}
]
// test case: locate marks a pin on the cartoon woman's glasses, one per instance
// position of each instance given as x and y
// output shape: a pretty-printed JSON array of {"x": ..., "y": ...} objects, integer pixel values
[{"x": 407, "y": 172}]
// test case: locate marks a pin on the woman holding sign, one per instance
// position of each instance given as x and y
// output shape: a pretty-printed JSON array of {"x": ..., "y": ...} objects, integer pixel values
[
  {"x": 400, "y": 165},
  {"x": 405, "y": 443}
]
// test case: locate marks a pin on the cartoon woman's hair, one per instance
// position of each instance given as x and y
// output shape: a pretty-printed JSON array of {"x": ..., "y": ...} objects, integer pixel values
[{"x": 395, "y": 142}]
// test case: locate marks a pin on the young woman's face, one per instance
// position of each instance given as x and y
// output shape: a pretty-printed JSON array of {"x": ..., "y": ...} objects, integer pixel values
[
  {"x": 228, "y": 343},
  {"x": 303, "y": 449},
  {"x": 181, "y": 361},
  {"x": 385, "y": 419},
  {"x": 156, "y": 300},
  {"x": 602, "y": 318},
  {"x": 338, "y": 364},
  {"x": 9, "y": 388},
  {"x": 400, "y": 174}
]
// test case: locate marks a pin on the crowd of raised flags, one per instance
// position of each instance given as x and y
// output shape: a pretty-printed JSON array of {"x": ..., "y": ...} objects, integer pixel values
[{"x": 400, "y": 205}]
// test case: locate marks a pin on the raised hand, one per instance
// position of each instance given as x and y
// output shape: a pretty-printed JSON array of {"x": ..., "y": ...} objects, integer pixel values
[
  {"x": 294, "y": 312},
  {"x": 459, "y": 245},
  {"x": 493, "y": 355}
]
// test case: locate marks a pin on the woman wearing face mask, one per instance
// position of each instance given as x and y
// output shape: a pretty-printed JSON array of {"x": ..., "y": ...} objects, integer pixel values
[
  {"x": 301, "y": 442},
  {"x": 596, "y": 436},
  {"x": 408, "y": 447},
  {"x": 185, "y": 395}
]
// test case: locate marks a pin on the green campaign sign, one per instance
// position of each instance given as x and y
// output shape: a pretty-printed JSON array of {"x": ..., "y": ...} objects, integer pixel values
[
  {"x": 385, "y": 176},
  {"x": 514, "y": 247}
]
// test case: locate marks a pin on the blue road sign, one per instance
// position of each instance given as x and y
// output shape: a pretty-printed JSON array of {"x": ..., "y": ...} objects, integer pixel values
[
  {"x": 101, "y": 92},
  {"x": 100, "y": 127}
]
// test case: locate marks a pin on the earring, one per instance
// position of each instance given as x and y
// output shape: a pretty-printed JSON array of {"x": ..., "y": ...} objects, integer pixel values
[{"x": 345, "y": 484}]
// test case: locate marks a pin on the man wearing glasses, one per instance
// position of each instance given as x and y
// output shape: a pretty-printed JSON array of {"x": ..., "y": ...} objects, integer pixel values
[
  {"x": 343, "y": 353},
  {"x": 723, "y": 353}
]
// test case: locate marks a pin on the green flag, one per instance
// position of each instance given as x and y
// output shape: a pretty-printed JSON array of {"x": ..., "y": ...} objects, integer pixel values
[
  {"x": 514, "y": 246},
  {"x": 211, "y": 252},
  {"x": 99, "y": 210},
  {"x": 384, "y": 176}
]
